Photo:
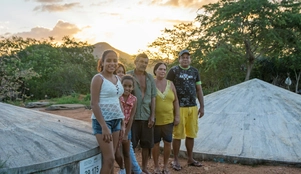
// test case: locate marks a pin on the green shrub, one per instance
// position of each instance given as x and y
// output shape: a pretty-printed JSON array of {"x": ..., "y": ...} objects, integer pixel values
[
  {"x": 87, "y": 97},
  {"x": 72, "y": 99}
]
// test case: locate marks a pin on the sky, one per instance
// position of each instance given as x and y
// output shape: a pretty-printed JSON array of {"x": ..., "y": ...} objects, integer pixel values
[{"x": 127, "y": 25}]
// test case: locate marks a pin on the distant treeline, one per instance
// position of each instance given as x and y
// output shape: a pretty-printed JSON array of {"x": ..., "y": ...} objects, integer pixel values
[
  {"x": 236, "y": 40},
  {"x": 231, "y": 41},
  {"x": 35, "y": 69},
  {"x": 43, "y": 69}
]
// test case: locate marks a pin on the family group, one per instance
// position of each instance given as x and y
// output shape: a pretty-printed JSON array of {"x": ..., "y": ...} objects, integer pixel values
[{"x": 137, "y": 109}]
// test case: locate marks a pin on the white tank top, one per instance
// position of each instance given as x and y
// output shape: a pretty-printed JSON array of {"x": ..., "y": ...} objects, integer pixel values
[{"x": 109, "y": 100}]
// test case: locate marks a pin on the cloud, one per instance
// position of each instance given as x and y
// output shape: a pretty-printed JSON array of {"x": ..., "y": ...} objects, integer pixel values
[
  {"x": 58, "y": 32},
  {"x": 110, "y": 14},
  {"x": 171, "y": 21},
  {"x": 182, "y": 3},
  {"x": 4, "y": 26},
  {"x": 101, "y": 3},
  {"x": 56, "y": 7},
  {"x": 48, "y": 1}
]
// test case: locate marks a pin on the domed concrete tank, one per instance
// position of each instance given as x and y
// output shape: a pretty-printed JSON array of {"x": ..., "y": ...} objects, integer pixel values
[
  {"x": 38, "y": 142},
  {"x": 253, "y": 123}
]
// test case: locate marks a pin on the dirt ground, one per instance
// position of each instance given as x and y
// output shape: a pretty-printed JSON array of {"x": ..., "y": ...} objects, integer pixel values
[{"x": 208, "y": 166}]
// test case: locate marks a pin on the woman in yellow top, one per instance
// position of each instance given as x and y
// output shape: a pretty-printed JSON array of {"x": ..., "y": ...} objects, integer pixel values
[{"x": 167, "y": 115}]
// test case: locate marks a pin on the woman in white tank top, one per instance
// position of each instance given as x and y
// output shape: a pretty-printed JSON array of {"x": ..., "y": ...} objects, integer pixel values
[{"x": 107, "y": 117}]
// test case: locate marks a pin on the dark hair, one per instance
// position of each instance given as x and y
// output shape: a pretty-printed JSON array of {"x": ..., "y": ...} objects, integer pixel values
[
  {"x": 120, "y": 65},
  {"x": 157, "y": 66},
  {"x": 128, "y": 77},
  {"x": 102, "y": 59},
  {"x": 143, "y": 55}
]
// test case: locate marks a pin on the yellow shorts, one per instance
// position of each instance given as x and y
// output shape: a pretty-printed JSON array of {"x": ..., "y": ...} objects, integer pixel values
[{"x": 188, "y": 126}]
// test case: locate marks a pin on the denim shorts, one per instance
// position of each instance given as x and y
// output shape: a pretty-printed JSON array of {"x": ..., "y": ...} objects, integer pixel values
[{"x": 113, "y": 125}]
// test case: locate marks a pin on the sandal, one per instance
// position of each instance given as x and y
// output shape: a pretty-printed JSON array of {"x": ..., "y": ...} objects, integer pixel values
[
  {"x": 175, "y": 166},
  {"x": 165, "y": 171},
  {"x": 195, "y": 164},
  {"x": 157, "y": 171},
  {"x": 147, "y": 172}
]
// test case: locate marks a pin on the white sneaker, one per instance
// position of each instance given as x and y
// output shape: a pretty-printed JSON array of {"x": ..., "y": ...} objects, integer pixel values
[{"x": 122, "y": 171}]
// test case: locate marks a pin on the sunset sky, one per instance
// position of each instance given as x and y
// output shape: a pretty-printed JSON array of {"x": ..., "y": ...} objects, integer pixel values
[{"x": 128, "y": 25}]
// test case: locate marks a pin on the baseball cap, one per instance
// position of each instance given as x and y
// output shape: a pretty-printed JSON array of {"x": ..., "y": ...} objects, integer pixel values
[{"x": 183, "y": 52}]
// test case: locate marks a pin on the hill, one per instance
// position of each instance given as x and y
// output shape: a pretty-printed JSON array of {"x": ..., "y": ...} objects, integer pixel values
[{"x": 125, "y": 58}]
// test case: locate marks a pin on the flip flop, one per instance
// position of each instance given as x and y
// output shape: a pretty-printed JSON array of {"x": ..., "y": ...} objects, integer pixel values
[
  {"x": 176, "y": 167},
  {"x": 157, "y": 171},
  {"x": 147, "y": 172},
  {"x": 165, "y": 172},
  {"x": 195, "y": 164}
]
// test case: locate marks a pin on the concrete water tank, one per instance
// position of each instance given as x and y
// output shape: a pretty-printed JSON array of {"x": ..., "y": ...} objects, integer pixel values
[{"x": 37, "y": 142}]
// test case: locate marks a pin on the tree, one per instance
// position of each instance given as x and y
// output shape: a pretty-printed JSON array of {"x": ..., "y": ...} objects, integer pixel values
[
  {"x": 39, "y": 68},
  {"x": 214, "y": 72},
  {"x": 63, "y": 69},
  {"x": 78, "y": 55},
  {"x": 220, "y": 69},
  {"x": 12, "y": 75},
  {"x": 167, "y": 47},
  {"x": 244, "y": 27},
  {"x": 271, "y": 69},
  {"x": 289, "y": 27},
  {"x": 43, "y": 58}
]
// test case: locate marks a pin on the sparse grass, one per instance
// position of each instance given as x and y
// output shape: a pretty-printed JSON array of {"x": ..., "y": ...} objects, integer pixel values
[
  {"x": 73, "y": 99},
  {"x": 70, "y": 99},
  {"x": 16, "y": 103}
]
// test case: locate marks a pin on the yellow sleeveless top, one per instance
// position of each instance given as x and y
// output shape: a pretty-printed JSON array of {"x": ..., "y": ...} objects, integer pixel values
[{"x": 164, "y": 106}]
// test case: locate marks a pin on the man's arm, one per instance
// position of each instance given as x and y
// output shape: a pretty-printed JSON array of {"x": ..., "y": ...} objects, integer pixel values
[
  {"x": 151, "y": 120},
  {"x": 175, "y": 106},
  {"x": 199, "y": 92}
]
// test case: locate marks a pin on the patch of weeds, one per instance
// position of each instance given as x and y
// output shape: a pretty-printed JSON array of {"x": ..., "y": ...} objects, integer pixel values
[
  {"x": 75, "y": 95},
  {"x": 87, "y": 97},
  {"x": 15, "y": 103},
  {"x": 72, "y": 99},
  {"x": 3, "y": 164}
]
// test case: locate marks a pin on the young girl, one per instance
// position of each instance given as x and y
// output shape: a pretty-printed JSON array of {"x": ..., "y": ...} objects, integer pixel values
[
  {"x": 131, "y": 163},
  {"x": 107, "y": 117},
  {"x": 129, "y": 104}
]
